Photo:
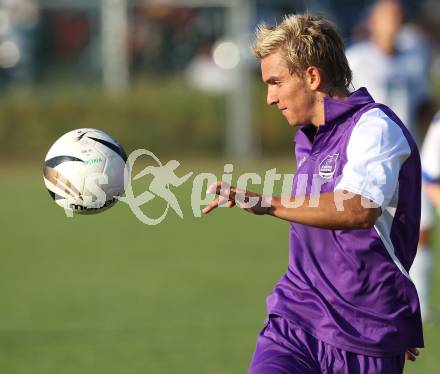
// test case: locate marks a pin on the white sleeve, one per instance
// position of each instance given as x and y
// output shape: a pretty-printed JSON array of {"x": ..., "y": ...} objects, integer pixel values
[
  {"x": 430, "y": 154},
  {"x": 375, "y": 152}
]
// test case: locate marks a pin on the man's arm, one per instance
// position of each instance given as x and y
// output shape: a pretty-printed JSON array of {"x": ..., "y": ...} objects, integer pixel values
[{"x": 331, "y": 210}]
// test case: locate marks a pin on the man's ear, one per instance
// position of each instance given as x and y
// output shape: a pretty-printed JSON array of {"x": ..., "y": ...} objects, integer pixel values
[{"x": 313, "y": 77}]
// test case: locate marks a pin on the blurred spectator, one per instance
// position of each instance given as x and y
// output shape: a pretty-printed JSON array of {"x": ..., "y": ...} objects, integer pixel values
[
  {"x": 73, "y": 33},
  {"x": 165, "y": 37},
  {"x": 67, "y": 44}
]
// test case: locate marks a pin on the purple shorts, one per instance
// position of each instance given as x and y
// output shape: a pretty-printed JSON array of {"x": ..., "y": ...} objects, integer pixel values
[{"x": 283, "y": 348}]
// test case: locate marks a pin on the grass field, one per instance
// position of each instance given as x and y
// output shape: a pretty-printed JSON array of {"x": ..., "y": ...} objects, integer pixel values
[{"x": 107, "y": 294}]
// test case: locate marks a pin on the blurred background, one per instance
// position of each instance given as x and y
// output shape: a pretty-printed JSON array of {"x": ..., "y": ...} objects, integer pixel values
[{"x": 106, "y": 293}]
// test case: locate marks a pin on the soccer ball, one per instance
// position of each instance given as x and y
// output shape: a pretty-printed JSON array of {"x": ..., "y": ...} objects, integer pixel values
[{"x": 84, "y": 171}]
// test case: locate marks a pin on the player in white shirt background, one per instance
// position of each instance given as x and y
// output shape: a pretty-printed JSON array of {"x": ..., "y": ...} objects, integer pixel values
[
  {"x": 422, "y": 267},
  {"x": 394, "y": 64}
]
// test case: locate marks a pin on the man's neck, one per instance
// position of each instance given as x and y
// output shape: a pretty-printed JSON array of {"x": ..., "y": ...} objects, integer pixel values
[{"x": 335, "y": 94}]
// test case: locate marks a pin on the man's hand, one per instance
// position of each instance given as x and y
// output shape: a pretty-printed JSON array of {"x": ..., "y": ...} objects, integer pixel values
[
  {"x": 411, "y": 354},
  {"x": 231, "y": 196}
]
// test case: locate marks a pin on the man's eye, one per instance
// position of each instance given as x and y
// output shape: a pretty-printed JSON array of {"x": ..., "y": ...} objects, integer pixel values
[{"x": 274, "y": 83}]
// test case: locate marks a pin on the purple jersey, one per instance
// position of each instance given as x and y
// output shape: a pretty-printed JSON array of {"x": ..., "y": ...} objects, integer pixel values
[{"x": 351, "y": 288}]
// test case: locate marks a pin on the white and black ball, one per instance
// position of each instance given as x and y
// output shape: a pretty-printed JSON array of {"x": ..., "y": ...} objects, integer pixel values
[{"x": 84, "y": 171}]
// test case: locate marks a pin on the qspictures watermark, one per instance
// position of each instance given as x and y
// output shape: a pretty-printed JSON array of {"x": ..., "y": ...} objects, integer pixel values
[{"x": 165, "y": 179}]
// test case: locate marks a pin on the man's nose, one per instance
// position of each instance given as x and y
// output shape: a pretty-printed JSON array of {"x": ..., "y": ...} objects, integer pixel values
[{"x": 272, "y": 98}]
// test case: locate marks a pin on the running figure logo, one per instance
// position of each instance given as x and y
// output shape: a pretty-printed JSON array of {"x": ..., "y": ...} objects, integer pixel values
[{"x": 164, "y": 176}]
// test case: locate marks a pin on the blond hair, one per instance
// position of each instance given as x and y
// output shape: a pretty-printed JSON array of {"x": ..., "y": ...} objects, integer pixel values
[{"x": 306, "y": 40}]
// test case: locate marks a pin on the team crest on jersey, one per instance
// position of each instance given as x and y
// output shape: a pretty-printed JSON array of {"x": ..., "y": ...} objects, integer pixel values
[{"x": 327, "y": 167}]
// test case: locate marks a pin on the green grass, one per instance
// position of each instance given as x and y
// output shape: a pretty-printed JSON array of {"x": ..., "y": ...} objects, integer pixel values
[{"x": 107, "y": 294}]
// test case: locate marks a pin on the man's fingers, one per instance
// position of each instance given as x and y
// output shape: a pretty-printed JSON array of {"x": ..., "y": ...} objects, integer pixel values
[
  {"x": 216, "y": 187},
  {"x": 211, "y": 206},
  {"x": 411, "y": 354},
  {"x": 212, "y": 188},
  {"x": 226, "y": 193},
  {"x": 222, "y": 189},
  {"x": 414, "y": 351},
  {"x": 216, "y": 203}
]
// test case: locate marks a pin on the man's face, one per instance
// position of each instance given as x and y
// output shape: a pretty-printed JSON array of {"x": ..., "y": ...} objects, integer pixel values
[
  {"x": 289, "y": 93},
  {"x": 385, "y": 20}
]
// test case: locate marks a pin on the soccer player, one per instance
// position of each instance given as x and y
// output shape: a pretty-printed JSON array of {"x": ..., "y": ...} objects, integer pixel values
[
  {"x": 400, "y": 56},
  {"x": 421, "y": 271},
  {"x": 346, "y": 303},
  {"x": 399, "y": 80}
]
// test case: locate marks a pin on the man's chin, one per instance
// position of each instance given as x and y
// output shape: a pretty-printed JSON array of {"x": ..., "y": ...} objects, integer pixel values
[
  {"x": 296, "y": 123},
  {"x": 293, "y": 123}
]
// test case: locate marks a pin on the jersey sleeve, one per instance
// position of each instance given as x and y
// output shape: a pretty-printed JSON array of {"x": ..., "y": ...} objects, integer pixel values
[
  {"x": 430, "y": 154},
  {"x": 375, "y": 153}
]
